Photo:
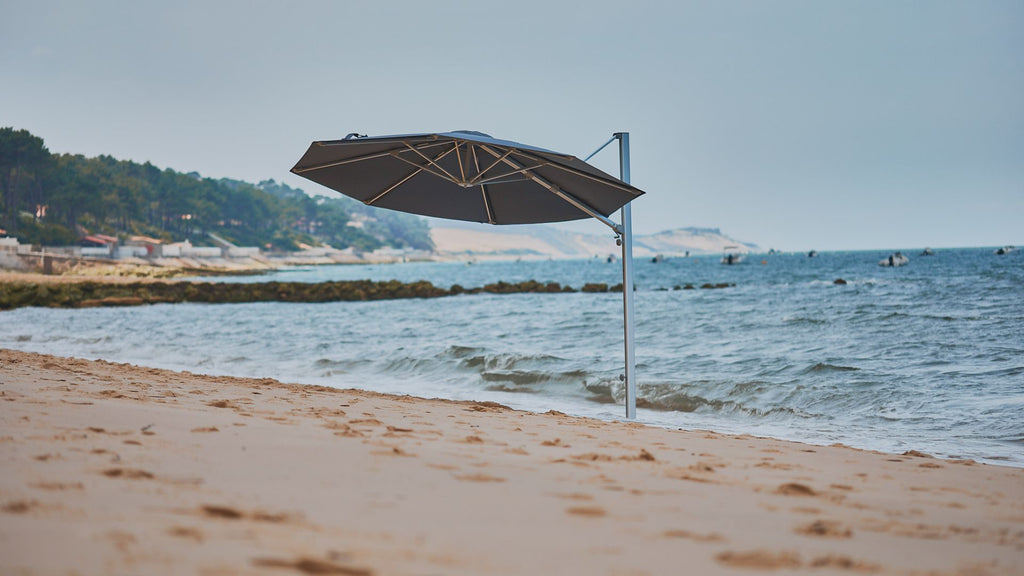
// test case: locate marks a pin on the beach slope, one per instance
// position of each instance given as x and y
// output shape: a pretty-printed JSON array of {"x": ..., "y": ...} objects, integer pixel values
[{"x": 117, "y": 469}]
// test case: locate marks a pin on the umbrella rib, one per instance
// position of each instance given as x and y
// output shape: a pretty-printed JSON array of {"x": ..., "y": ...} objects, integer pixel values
[
  {"x": 581, "y": 205},
  {"x": 356, "y": 159},
  {"x": 613, "y": 182},
  {"x": 373, "y": 200},
  {"x": 419, "y": 169},
  {"x": 426, "y": 169},
  {"x": 433, "y": 162},
  {"x": 458, "y": 156},
  {"x": 495, "y": 179},
  {"x": 444, "y": 175},
  {"x": 483, "y": 189},
  {"x": 480, "y": 174}
]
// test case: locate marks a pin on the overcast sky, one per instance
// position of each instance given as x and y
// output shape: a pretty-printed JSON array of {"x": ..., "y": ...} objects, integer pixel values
[{"x": 795, "y": 125}]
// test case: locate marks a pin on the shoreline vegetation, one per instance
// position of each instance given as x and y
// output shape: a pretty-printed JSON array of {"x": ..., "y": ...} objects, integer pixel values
[
  {"x": 61, "y": 199},
  {"x": 142, "y": 470},
  {"x": 64, "y": 292}
]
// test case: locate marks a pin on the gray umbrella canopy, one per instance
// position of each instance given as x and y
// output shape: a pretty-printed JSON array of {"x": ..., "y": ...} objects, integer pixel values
[{"x": 464, "y": 176}]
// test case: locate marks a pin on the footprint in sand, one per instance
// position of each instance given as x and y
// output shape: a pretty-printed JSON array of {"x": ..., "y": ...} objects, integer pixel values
[
  {"x": 229, "y": 513},
  {"x": 825, "y": 529},
  {"x": 843, "y": 562},
  {"x": 767, "y": 560},
  {"x": 795, "y": 489},
  {"x": 712, "y": 537},
  {"x": 19, "y": 507},
  {"x": 759, "y": 559},
  {"x": 480, "y": 478},
  {"x": 221, "y": 512},
  {"x": 58, "y": 486},
  {"x": 587, "y": 511},
  {"x": 578, "y": 496},
  {"x": 313, "y": 566},
  {"x": 186, "y": 532},
  {"x": 394, "y": 451},
  {"x": 129, "y": 473}
]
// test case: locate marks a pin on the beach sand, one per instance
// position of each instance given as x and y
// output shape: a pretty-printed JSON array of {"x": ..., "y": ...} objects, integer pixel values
[{"x": 116, "y": 469}]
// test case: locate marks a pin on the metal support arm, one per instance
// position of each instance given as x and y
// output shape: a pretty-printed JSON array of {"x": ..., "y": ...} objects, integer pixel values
[{"x": 627, "y": 281}]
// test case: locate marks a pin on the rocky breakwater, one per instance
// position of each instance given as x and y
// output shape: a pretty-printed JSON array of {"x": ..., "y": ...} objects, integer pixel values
[{"x": 85, "y": 294}]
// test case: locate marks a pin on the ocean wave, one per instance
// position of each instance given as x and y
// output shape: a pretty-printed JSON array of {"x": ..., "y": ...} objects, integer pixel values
[
  {"x": 512, "y": 389},
  {"x": 462, "y": 351},
  {"x": 333, "y": 363},
  {"x": 701, "y": 397},
  {"x": 690, "y": 403},
  {"x": 798, "y": 320},
  {"x": 507, "y": 361},
  {"x": 825, "y": 367},
  {"x": 517, "y": 377}
]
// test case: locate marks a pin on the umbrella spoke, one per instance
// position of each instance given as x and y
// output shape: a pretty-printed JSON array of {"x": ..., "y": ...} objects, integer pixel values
[
  {"x": 418, "y": 169},
  {"x": 388, "y": 190},
  {"x": 499, "y": 179},
  {"x": 480, "y": 174},
  {"x": 458, "y": 157},
  {"x": 357, "y": 158},
  {"x": 447, "y": 175},
  {"x": 562, "y": 194},
  {"x": 443, "y": 174},
  {"x": 613, "y": 183},
  {"x": 483, "y": 189},
  {"x": 342, "y": 162},
  {"x": 426, "y": 168}
]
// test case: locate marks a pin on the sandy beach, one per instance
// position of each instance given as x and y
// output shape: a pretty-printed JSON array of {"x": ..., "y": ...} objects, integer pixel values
[{"x": 117, "y": 469}]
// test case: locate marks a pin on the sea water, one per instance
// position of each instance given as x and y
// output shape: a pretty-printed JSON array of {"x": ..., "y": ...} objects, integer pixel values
[{"x": 927, "y": 356}]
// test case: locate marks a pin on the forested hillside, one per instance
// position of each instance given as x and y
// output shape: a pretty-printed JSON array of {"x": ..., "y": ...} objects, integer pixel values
[{"x": 55, "y": 199}]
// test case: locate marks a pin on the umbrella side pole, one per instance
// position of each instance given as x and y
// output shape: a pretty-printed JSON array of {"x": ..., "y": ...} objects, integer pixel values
[{"x": 627, "y": 280}]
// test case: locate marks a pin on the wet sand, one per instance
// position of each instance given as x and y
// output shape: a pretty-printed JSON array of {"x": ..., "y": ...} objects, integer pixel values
[{"x": 116, "y": 469}]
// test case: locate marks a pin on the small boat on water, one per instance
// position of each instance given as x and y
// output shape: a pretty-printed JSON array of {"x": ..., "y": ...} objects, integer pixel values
[
  {"x": 812, "y": 254},
  {"x": 927, "y": 252},
  {"x": 732, "y": 255},
  {"x": 894, "y": 260},
  {"x": 1005, "y": 250},
  {"x": 658, "y": 258}
]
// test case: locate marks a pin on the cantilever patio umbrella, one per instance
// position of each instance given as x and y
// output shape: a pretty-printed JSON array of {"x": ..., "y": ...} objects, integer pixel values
[{"x": 471, "y": 176}]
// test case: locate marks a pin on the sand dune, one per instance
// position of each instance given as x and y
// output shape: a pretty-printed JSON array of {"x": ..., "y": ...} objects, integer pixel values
[
  {"x": 462, "y": 240},
  {"x": 116, "y": 469}
]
